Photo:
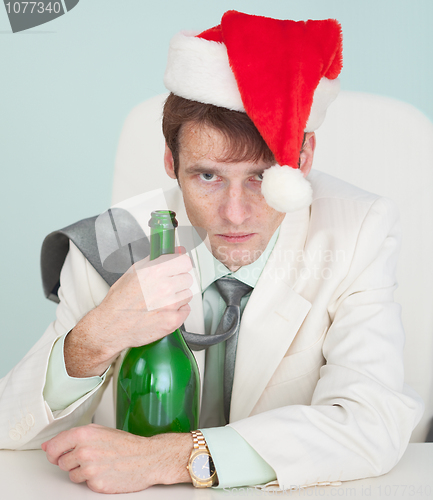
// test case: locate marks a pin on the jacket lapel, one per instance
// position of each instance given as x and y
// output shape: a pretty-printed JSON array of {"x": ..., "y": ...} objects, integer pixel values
[{"x": 272, "y": 317}]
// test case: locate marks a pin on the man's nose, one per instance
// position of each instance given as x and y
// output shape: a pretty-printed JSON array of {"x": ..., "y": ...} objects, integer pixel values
[{"x": 236, "y": 207}]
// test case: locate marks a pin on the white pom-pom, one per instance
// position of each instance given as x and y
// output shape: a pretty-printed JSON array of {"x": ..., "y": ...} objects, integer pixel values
[{"x": 285, "y": 188}]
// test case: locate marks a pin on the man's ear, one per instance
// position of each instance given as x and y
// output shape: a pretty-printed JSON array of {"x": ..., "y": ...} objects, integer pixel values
[
  {"x": 307, "y": 153},
  {"x": 169, "y": 162}
]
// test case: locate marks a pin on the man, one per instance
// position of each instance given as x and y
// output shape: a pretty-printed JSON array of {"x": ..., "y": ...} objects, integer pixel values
[{"x": 318, "y": 392}]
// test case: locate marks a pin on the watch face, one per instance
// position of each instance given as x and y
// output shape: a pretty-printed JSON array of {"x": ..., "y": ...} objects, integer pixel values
[{"x": 202, "y": 467}]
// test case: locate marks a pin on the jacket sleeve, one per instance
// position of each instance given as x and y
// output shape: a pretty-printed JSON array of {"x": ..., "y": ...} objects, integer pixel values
[
  {"x": 26, "y": 420},
  {"x": 361, "y": 414}
]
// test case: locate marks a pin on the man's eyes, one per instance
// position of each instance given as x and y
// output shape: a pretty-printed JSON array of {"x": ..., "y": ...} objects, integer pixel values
[
  {"x": 207, "y": 177},
  {"x": 212, "y": 177}
]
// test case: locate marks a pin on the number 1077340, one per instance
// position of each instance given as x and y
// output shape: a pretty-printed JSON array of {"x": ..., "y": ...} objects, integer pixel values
[{"x": 33, "y": 7}]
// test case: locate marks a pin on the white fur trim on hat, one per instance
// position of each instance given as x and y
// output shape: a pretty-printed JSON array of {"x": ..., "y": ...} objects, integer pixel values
[
  {"x": 325, "y": 93},
  {"x": 199, "y": 70},
  {"x": 285, "y": 188}
]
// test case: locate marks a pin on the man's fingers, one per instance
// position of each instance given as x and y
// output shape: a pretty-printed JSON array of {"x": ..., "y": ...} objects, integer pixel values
[
  {"x": 183, "y": 297},
  {"x": 167, "y": 291},
  {"x": 76, "y": 475},
  {"x": 146, "y": 262},
  {"x": 186, "y": 308},
  {"x": 170, "y": 302},
  {"x": 174, "y": 319},
  {"x": 68, "y": 461},
  {"x": 168, "y": 265},
  {"x": 62, "y": 443},
  {"x": 181, "y": 264},
  {"x": 65, "y": 442},
  {"x": 182, "y": 282}
]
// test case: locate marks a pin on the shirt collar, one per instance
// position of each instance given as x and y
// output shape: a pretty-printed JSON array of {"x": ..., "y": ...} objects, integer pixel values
[{"x": 212, "y": 269}]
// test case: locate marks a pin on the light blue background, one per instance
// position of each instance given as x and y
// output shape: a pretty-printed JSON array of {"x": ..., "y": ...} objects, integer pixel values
[{"x": 67, "y": 86}]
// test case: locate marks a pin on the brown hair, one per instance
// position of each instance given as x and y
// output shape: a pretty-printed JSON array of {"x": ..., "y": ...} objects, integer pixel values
[{"x": 244, "y": 142}]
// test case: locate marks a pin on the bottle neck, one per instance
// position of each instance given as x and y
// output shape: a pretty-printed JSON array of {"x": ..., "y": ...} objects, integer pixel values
[
  {"x": 162, "y": 224},
  {"x": 161, "y": 242}
]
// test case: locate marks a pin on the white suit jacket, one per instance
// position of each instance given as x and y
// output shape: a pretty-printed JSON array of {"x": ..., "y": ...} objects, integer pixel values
[{"x": 319, "y": 387}]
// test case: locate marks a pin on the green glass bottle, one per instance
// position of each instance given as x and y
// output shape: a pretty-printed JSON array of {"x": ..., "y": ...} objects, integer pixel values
[{"x": 158, "y": 387}]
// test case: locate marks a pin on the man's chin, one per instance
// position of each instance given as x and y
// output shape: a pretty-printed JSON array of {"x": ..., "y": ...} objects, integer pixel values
[{"x": 236, "y": 257}]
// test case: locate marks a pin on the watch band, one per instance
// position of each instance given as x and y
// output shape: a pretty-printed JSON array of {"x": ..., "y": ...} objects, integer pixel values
[
  {"x": 199, "y": 449},
  {"x": 199, "y": 441}
]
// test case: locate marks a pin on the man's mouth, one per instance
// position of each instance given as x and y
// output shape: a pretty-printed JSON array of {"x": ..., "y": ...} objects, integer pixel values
[{"x": 236, "y": 237}]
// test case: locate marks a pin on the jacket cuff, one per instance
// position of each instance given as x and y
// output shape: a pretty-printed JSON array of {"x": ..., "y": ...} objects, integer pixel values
[
  {"x": 236, "y": 462},
  {"x": 61, "y": 390}
]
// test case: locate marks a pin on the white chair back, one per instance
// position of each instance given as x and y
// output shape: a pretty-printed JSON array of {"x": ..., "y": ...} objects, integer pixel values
[{"x": 379, "y": 144}]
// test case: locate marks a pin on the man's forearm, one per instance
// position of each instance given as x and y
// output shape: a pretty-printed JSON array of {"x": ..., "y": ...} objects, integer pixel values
[
  {"x": 84, "y": 356},
  {"x": 173, "y": 451}
]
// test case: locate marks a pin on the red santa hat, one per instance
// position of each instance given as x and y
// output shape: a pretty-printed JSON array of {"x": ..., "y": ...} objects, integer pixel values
[{"x": 282, "y": 73}]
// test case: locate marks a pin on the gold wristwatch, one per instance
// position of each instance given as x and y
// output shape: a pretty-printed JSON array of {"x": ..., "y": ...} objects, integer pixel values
[{"x": 200, "y": 465}]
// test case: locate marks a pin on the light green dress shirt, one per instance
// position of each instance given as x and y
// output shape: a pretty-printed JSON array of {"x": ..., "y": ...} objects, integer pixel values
[{"x": 236, "y": 462}]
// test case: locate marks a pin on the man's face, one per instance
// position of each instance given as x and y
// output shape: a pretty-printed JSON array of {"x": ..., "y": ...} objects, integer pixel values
[{"x": 223, "y": 198}]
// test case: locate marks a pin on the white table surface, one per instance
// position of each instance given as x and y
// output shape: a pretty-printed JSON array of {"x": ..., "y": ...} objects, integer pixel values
[{"x": 28, "y": 475}]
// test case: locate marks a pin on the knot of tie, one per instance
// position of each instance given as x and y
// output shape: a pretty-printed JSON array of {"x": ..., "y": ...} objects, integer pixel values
[{"x": 232, "y": 290}]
